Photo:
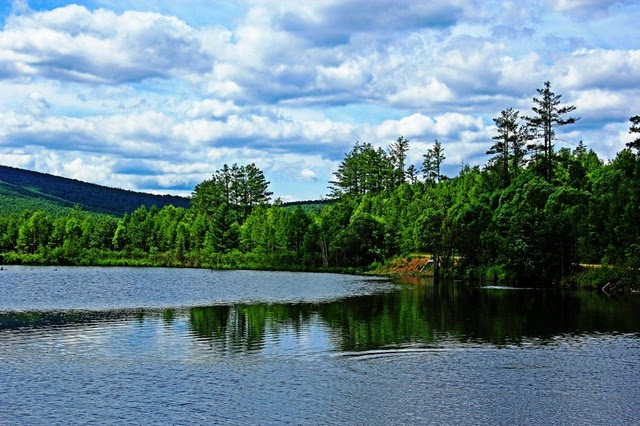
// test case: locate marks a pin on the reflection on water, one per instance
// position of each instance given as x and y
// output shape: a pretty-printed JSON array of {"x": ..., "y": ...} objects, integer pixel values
[
  {"x": 417, "y": 314},
  {"x": 414, "y": 353}
]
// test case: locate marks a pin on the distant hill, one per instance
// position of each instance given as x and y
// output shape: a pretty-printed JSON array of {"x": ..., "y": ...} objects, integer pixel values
[
  {"x": 309, "y": 206},
  {"x": 24, "y": 189}
]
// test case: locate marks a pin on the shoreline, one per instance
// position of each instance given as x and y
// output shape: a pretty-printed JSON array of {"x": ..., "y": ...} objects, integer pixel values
[{"x": 601, "y": 279}]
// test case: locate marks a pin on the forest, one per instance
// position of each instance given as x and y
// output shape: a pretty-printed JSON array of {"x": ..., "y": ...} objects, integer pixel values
[{"x": 533, "y": 215}]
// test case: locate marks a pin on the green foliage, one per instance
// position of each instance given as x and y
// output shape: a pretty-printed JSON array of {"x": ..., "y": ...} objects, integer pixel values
[
  {"x": 240, "y": 188},
  {"x": 432, "y": 161},
  {"x": 367, "y": 170},
  {"x": 507, "y": 222},
  {"x": 529, "y": 232},
  {"x": 15, "y": 199}
]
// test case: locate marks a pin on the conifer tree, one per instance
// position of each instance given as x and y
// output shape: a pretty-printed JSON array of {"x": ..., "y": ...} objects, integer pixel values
[
  {"x": 635, "y": 128},
  {"x": 549, "y": 114},
  {"x": 509, "y": 146},
  {"x": 398, "y": 155},
  {"x": 240, "y": 187},
  {"x": 432, "y": 161},
  {"x": 364, "y": 170},
  {"x": 412, "y": 174}
]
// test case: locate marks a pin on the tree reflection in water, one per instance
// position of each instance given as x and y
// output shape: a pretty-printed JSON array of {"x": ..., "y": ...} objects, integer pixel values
[{"x": 419, "y": 313}]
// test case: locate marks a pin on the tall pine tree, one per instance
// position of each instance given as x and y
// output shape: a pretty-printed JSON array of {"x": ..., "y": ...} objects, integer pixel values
[
  {"x": 635, "y": 128},
  {"x": 432, "y": 161},
  {"x": 509, "y": 146},
  {"x": 398, "y": 155},
  {"x": 549, "y": 115}
]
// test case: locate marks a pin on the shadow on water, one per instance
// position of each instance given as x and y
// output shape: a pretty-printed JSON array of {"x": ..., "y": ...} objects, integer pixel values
[{"x": 417, "y": 314}]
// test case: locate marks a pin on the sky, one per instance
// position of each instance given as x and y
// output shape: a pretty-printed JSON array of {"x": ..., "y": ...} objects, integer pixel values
[{"x": 155, "y": 95}]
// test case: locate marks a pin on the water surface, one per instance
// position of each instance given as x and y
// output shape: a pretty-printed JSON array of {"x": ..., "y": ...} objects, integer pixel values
[{"x": 120, "y": 345}]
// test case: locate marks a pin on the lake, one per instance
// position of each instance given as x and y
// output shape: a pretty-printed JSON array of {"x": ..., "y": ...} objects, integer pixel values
[{"x": 172, "y": 346}]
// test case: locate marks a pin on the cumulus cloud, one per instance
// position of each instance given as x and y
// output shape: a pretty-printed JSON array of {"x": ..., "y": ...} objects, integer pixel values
[
  {"x": 601, "y": 68},
  {"x": 335, "y": 22},
  {"x": 307, "y": 174},
  {"x": 76, "y": 44},
  {"x": 417, "y": 96},
  {"x": 587, "y": 7},
  {"x": 212, "y": 108},
  {"x": 418, "y": 125},
  {"x": 19, "y": 6},
  {"x": 597, "y": 106},
  {"x": 36, "y": 104}
]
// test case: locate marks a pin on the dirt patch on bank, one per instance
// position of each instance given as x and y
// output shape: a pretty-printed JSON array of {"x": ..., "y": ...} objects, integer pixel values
[{"x": 408, "y": 266}]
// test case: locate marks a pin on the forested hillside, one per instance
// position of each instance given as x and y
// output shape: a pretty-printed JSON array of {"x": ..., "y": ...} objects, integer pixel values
[
  {"x": 531, "y": 216},
  {"x": 27, "y": 190},
  {"x": 16, "y": 199}
]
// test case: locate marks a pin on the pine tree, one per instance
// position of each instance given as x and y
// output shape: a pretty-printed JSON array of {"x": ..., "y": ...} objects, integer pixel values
[
  {"x": 364, "y": 170},
  {"x": 635, "y": 128},
  {"x": 346, "y": 180},
  {"x": 509, "y": 146},
  {"x": 398, "y": 155},
  {"x": 412, "y": 174},
  {"x": 239, "y": 187},
  {"x": 519, "y": 148},
  {"x": 428, "y": 168},
  {"x": 257, "y": 187},
  {"x": 224, "y": 231},
  {"x": 432, "y": 161},
  {"x": 548, "y": 116}
]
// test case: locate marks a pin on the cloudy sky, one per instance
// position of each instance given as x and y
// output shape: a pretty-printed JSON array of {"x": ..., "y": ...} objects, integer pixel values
[{"x": 155, "y": 95}]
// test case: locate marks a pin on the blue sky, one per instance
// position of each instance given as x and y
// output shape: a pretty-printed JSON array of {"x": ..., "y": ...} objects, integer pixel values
[{"x": 155, "y": 95}]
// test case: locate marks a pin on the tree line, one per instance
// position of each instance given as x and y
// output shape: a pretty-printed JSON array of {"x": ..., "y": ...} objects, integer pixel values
[{"x": 532, "y": 214}]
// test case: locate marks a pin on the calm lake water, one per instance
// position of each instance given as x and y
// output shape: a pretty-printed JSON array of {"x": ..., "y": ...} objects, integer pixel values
[{"x": 172, "y": 346}]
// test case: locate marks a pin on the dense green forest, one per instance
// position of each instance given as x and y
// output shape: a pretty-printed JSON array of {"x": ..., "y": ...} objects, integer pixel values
[
  {"x": 28, "y": 190},
  {"x": 532, "y": 215}
]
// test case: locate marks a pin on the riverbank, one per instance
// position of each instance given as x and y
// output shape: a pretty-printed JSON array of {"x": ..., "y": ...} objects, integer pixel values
[
  {"x": 604, "y": 278},
  {"x": 228, "y": 261},
  {"x": 411, "y": 266}
]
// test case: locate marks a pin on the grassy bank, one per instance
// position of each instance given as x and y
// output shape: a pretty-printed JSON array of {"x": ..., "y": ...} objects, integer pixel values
[
  {"x": 229, "y": 261},
  {"x": 605, "y": 278}
]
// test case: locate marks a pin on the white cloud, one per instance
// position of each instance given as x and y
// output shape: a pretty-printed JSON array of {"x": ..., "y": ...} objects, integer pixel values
[
  {"x": 417, "y": 96},
  {"x": 75, "y": 44},
  {"x": 19, "y": 6},
  {"x": 586, "y": 7},
  {"x": 37, "y": 104},
  {"x": 307, "y": 174},
  {"x": 413, "y": 125},
  {"x": 448, "y": 125},
  {"x": 599, "y": 68},
  {"x": 607, "y": 104},
  {"x": 212, "y": 108}
]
